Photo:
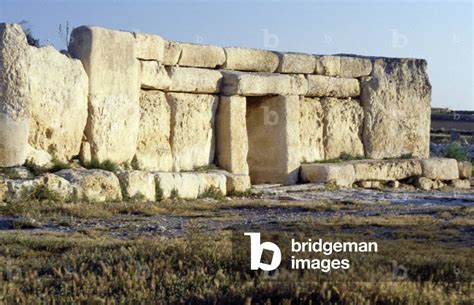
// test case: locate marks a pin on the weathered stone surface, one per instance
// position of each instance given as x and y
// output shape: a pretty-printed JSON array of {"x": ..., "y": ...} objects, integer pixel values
[
  {"x": 154, "y": 76},
  {"x": 386, "y": 170},
  {"x": 149, "y": 47},
  {"x": 180, "y": 185},
  {"x": 24, "y": 190},
  {"x": 194, "y": 80},
  {"x": 396, "y": 102},
  {"x": 114, "y": 84},
  {"x": 311, "y": 130},
  {"x": 38, "y": 157},
  {"x": 204, "y": 56},
  {"x": 340, "y": 174},
  {"x": 137, "y": 185},
  {"x": 17, "y": 172},
  {"x": 212, "y": 180},
  {"x": 255, "y": 84},
  {"x": 296, "y": 63},
  {"x": 370, "y": 184},
  {"x": 465, "y": 170},
  {"x": 59, "y": 94},
  {"x": 93, "y": 185},
  {"x": 343, "y": 122},
  {"x": 424, "y": 183},
  {"x": 236, "y": 183},
  {"x": 172, "y": 53},
  {"x": 298, "y": 84},
  {"x": 440, "y": 168},
  {"x": 196, "y": 113},
  {"x": 319, "y": 86},
  {"x": 153, "y": 145},
  {"x": 460, "y": 183},
  {"x": 59, "y": 186},
  {"x": 231, "y": 135},
  {"x": 244, "y": 59},
  {"x": 21, "y": 190},
  {"x": 273, "y": 133},
  {"x": 343, "y": 66},
  {"x": 4, "y": 189},
  {"x": 15, "y": 98}
]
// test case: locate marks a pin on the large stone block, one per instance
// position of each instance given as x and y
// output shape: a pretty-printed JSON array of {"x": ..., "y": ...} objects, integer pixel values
[
  {"x": 465, "y": 169},
  {"x": 114, "y": 84},
  {"x": 298, "y": 84},
  {"x": 343, "y": 122},
  {"x": 256, "y": 84},
  {"x": 327, "y": 86},
  {"x": 59, "y": 93},
  {"x": 93, "y": 185},
  {"x": 192, "y": 129},
  {"x": 236, "y": 183},
  {"x": 340, "y": 174},
  {"x": 387, "y": 170},
  {"x": 212, "y": 181},
  {"x": 296, "y": 63},
  {"x": 172, "y": 53},
  {"x": 154, "y": 76},
  {"x": 15, "y": 98},
  {"x": 231, "y": 134},
  {"x": 273, "y": 133},
  {"x": 396, "y": 101},
  {"x": 153, "y": 145},
  {"x": 440, "y": 168},
  {"x": 204, "y": 56},
  {"x": 244, "y": 59},
  {"x": 180, "y": 185},
  {"x": 194, "y": 80},
  {"x": 137, "y": 185},
  {"x": 149, "y": 47},
  {"x": 343, "y": 66},
  {"x": 311, "y": 130}
]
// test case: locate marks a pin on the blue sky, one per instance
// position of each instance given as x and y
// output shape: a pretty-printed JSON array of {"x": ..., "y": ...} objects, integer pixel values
[{"x": 439, "y": 31}]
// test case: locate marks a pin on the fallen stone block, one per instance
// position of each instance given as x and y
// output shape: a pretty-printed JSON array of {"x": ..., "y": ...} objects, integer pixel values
[
  {"x": 327, "y": 86},
  {"x": 203, "y": 56},
  {"x": 194, "y": 80},
  {"x": 15, "y": 98},
  {"x": 311, "y": 130},
  {"x": 59, "y": 88},
  {"x": 114, "y": 89},
  {"x": 93, "y": 185},
  {"x": 153, "y": 145},
  {"x": 396, "y": 101},
  {"x": 149, "y": 47},
  {"x": 343, "y": 122},
  {"x": 465, "y": 169},
  {"x": 440, "y": 168},
  {"x": 172, "y": 53},
  {"x": 290, "y": 62},
  {"x": 244, "y": 59},
  {"x": 231, "y": 134},
  {"x": 196, "y": 113},
  {"x": 177, "y": 185},
  {"x": 255, "y": 84},
  {"x": 340, "y": 174},
  {"x": 386, "y": 170},
  {"x": 460, "y": 183},
  {"x": 154, "y": 76},
  {"x": 342, "y": 66},
  {"x": 137, "y": 185},
  {"x": 273, "y": 135}
]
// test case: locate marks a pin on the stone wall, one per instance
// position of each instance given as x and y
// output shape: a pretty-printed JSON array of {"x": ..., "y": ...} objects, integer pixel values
[{"x": 155, "y": 105}]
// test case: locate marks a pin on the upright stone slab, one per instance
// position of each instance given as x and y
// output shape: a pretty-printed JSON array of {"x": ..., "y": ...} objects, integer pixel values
[
  {"x": 343, "y": 121},
  {"x": 59, "y": 93},
  {"x": 396, "y": 100},
  {"x": 153, "y": 146},
  {"x": 192, "y": 129},
  {"x": 114, "y": 87},
  {"x": 15, "y": 98},
  {"x": 311, "y": 130},
  {"x": 231, "y": 135},
  {"x": 244, "y": 59},
  {"x": 273, "y": 133}
]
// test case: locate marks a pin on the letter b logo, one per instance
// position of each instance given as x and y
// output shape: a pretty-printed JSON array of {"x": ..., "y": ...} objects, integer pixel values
[{"x": 256, "y": 252}]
